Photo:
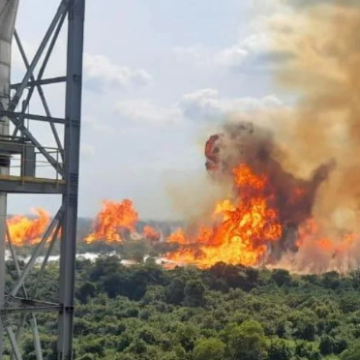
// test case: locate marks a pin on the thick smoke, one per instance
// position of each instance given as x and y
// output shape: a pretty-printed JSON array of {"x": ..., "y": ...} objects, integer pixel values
[
  {"x": 321, "y": 132},
  {"x": 322, "y": 43},
  {"x": 323, "y": 73},
  {"x": 313, "y": 146},
  {"x": 245, "y": 143}
]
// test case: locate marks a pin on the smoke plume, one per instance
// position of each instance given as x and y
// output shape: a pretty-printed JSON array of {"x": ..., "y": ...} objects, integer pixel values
[
  {"x": 322, "y": 43},
  {"x": 309, "y": 151}
]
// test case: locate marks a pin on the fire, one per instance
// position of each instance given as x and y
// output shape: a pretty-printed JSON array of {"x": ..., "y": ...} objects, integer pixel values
[
  {"x": 150, "y": 233},
  {"x": 311, "y": 233},
  {"x": 177, "y": 237},
  {"x": 27, "y": 231},
  {"x": 243, "y": 230},
  {"x": 113, "y": 218},
  {"x": 269, "y": 207}
]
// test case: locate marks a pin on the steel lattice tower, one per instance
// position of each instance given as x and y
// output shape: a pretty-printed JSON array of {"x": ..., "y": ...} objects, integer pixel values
[{"x": 19, "y": 307}]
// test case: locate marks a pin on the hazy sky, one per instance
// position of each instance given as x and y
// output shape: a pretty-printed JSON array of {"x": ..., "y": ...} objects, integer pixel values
[{"x": 157, "y": 74}]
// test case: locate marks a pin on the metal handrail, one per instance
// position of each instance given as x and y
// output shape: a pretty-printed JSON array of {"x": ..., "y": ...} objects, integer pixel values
[{"x": 18, "y": 159}]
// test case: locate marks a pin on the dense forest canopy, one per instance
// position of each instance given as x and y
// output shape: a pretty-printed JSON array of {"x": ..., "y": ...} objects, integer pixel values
[{"x": 221, "y": 313}]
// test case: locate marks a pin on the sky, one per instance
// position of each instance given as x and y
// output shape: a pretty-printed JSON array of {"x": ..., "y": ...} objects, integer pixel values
[{"x": 159, "y": 76}]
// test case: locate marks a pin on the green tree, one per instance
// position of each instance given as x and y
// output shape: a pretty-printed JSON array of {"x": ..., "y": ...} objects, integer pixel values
[
  {"x": 247, "y": 342},
  {"x": 175, "y": 292},
  {"x": 307, "y": 351},
  {"x": 86, "y": 291},
  {"x": 281, "y": 277},
  {"x": 148, "y": 335},
  {"x": 94, "y": 346},
  {"x": 209, "y": 349},
  {"x": 154, "y": 293},
  {"x": 331, "y": 280},
  {"x": 327, "y": 345},
  {"x": 304, "y": 324},
  {"x": 87, "y": 357},
  {"x": 351, "y": 354},
  {"x": 136, "y": 250},
  {"x": 194, "y": 293},
  {"x": 280, "y": 349},
  {"x": 138, "y": 347},
  {"x": 186, "y": 335},
  {"x": 355, "y": 277}
]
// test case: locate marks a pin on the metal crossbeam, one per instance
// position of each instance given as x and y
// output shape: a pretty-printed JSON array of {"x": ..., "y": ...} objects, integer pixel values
[
  {"x": 56, "y": 80},
  {"x": 22, "y": 300},
  {"x": 29, "y": 73},
  {"x": 37, "y": 343},
  {"x": 29, "y": 266},
  {"x": 62, "y": 11},
  {"x": 24, "y": 185},
  {"x": 39, "y": 88},
  {"x": 17, "y": 115},
  {"x": 29, "y": 305},
  {"x": 33, "y": 309}
]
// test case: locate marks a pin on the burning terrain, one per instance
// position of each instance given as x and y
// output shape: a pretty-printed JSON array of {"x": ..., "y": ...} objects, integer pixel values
[
  {"x": 114, "y": 223},
  {"x": 289, "y": 175},
  {"x": 283, "y": 184},
  {"x": 267, "y": 218},
  {"x": 268, "y": 211}
]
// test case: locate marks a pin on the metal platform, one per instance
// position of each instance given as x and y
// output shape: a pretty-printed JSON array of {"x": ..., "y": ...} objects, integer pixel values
[{"x": 30, "y": 185}]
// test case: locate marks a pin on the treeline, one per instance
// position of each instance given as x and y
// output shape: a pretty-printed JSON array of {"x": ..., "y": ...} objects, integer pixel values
[
  {"x": 127, "y": 249},
  {"x": 222, "y": 313}
]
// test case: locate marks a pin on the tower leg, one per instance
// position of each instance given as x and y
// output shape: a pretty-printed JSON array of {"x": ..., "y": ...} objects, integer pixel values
[
  {"x": 70, "y": 198},
  {"x": 3, "y": 210}
]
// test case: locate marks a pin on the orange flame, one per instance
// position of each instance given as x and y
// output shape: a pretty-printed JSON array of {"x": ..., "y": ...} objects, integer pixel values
[
  {"x": 242, "y": 231},
  {"x": 151, "y": 234},
  {"x": 311, "y": 231},
  {"x": 25, "y": 231},
  {"x": 177, "y": 237},
  {"x": 111, "y": 219}
]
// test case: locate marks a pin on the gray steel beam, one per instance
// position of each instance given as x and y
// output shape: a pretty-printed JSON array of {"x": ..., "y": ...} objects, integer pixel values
[
  {"x": 25, "y": 103},
  {"x": 19, "y": 330},
  {"x": 32, "y": 302},
  {"x": 3, "y": 212},
  {"x": 14, "y": 345},
  {"x": 14, "y": 257},
  {"x": 67, "y": 185},
  {"x": 33, "y": 309},
  {"x": 12, "y": 115},
  {"x": 18, "y": 270},
  {"x": 45, "y": 261},
  {"x": 18, "y": 185},
  {"x": 42, "y": 69},
  {"x": 7, "y": 20},
  {"x": 71, "y": 166},
  {"x": 55, "y": 80},
  {"x": 39, "y": 88},
  {"x": 33, "y": 139},
  {"x": 51, "y": 47},
  {"x": 19, "y": 91},
  {"x": 30, "y": 71},
  {"x": 29, "y": 266},
  {"x": 28, "y": 305},
  {"x": 36, "y": 337}
]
